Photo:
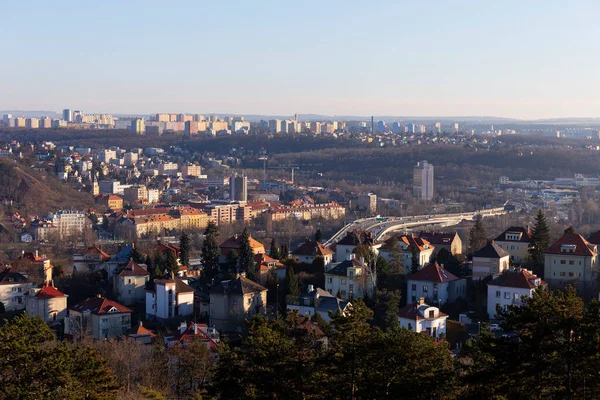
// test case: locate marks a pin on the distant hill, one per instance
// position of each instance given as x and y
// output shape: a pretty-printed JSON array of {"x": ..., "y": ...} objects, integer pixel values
[{"x": 34, "y": 192}]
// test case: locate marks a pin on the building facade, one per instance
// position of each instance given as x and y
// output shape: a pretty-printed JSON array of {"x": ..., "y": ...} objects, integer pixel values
[
  {"x": 423, "y": 318},
  {"x": 509, "y": 288},
  {"x": 423, "y": 180}
]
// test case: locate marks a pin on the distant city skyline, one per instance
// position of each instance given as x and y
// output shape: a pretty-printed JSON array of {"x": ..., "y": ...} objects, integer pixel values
[{"x": 443, "y": 59}]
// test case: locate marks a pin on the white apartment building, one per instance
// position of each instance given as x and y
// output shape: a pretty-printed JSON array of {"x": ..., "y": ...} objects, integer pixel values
[
  {"x": 68, "y": 222},
  {"x": 168, "y": 168},
  {"x": 99, "y": 317},
  {"x": 436, "y": 285},
  {"x": 13, "y": 288},
  {"x": 130, "y": 283},
  {"x": 106, "y": 155},
  {"x": 169, "y": 298}
]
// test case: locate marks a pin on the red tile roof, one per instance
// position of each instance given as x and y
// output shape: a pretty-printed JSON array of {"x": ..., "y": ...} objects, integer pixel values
[
  {"x": 47, "y": 292},
  {"x": 433, "y": 273},
  {"x": 99, "y": 306},
  {"x": 193, "y": 332},
  {"x": 133, "y": 269},
  {"x": 522, "y": 279},
  {"x": 411, "y": 241},
  {"x": 572, "y": 244},
  {"x": 312, "y": 248},
  {"x": 235, "y": 242}
]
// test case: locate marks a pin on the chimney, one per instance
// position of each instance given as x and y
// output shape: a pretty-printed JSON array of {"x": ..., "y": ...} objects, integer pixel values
[
  {"x": 421, "y": 301},
  {"x": 36, "y": 254}
]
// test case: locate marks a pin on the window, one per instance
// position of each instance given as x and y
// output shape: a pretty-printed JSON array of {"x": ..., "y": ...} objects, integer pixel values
[
  {"x": 498, "y": 294},
  {"x": 516, "y": 296},
  {"x": 329, "y": 280},
  {"x": 19, "y": 290},
  {"x": 104, "y": 320},
  {"x": 571, "y": 262},
  {"x": 425, "y": 289},
  {"x": 563, "y": 262},
  {"x": 571, "y": 274},
  {"x": 351, "y": 288},
  {"x": 414, "y": 299},
  {"x": 431, "y": 314},
  {"x": 128, "y": 280},
  {"x": 414, "y": 286},
  {"x": 409, "y": 326},
  {"x": 343, "y": 281},
  {"x": 105, "y": 332},
  {"x": 250, "y": 300},
  {"x": 506, "y": 295},
  {"x": 562, "y": 274},
  {"x": 343, "y": 293}
]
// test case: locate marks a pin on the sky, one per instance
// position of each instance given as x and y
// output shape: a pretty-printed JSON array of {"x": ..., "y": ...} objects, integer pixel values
[{"x": 519, "y": 59}]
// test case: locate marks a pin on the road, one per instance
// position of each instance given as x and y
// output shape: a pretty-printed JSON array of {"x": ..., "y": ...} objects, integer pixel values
[{"x": 380, "y": 227}]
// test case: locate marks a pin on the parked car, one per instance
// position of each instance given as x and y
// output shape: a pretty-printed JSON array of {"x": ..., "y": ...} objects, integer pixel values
[{"x": 495, "y": 327}]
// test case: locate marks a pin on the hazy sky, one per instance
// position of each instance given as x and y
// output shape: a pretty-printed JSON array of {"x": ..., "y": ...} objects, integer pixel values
[{"x": 524, "y": 59}]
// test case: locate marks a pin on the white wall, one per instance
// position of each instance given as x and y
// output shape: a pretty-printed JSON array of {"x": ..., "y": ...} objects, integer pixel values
[{"x": 504, "y": 296}]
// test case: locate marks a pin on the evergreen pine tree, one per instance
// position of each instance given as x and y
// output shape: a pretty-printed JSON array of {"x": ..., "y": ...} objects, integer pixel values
[
  {"x": 414, "y": 261},
  {"x": 292, "y": 280},
  {"x": 477, "y": 235},
  {"x": 211, "y": 251},
  {"x": 284, "y": 251},
  {"x": 540, "y": 240},
  {"x": 184, "y": 249},
  {"x": 274, "y": 251},
  {"x": 171, "y": 265},
  {"x": 318, "y": 236},
  {"x": 136, "y": 255},
  {"x": 246, "y": 259}
]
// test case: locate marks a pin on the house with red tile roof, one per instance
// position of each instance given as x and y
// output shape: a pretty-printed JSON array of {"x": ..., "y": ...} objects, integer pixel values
[
  {"x": 572, "y": 260},
  {"x": 422, "y": 317},
  {"x": 436, "y": 285},
  {"x": 130, "y": 283},
  {"x": 450, "y": 241},
  {"x": 141, "y": 334},
  {"x": 99, "y": 317},
  {"x": 38, "y": 269},
  {"x": 402, "y": 247},
  {"x": 188, "y": 333},
  {"x": 48, "y": 303},
  {"x": 510, "y": 287},
  {"x": 310, "y": 249},
  {"x": 234, "y": 243},
  {"x": 266, "y": 265}
]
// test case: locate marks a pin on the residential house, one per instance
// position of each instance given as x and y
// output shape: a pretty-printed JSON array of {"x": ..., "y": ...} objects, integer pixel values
[
  {"x": 311, "y": 249},
  {"x": 421, "y": 317},
  {"x": 572, "y": 260},
  {"x": 317, "y": 301},
  {"x": 266, "y": 264},
  {"x": 98, "y": 316},
  {"x": 436, "y": 285},
  {"x": 402, "y": 247},
  {"x": 348, "y": 243},
  {"x": 234, "y": 244},
  {"x": 351, "y": 279},
  {"x": 46, "y": 302},
  {"x": 444, "y": 240},
  {"x": 510, "y": 287},
  {"x": 116, "y": 262},
  {"x": 188, "y": 333},
  {"x": 37, "y": 269},
  {"x": 141, "y": 334},
  {"x": 169, "y": 298},
  {"x": 13, "y": 287},
  {"x": 90, "y": 259},
  {"x": 490, "y": 260},
  {"x": 130, "y": 283},
  {"x": 515, "y": 240},
  {"x": 233, "y": 301}
]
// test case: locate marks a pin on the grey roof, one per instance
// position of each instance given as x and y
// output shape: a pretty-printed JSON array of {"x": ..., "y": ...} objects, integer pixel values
[
  {"x": 331, "y": 304},
  {"x": 239, "y": 285},
  {"x": 342, "y": 268},
  {"x": 491, "y": 250},
  {"x": 122, "y": 256},
  {"x": 9, "y": 277}
]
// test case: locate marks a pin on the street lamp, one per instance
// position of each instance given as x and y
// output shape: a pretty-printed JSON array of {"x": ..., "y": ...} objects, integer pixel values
[
  {"x": 277, "y": 305},
  {"x": 479, "y": 328}
]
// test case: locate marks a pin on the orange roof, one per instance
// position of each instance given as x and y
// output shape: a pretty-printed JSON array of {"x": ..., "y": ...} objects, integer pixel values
[
  {"x": 572, "y": 244},
  {"x": 312, "y": 248},
  {"x": 133, "y": 269},
  {"x": 100, "y": 306},
  {"x": 141, "y": 330},
  {"x": 49, "y": 292},
  {"x": 409, "y": 240},
  {"x": 235, "y": 242},
  {"x": 433, "y": 273}
]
